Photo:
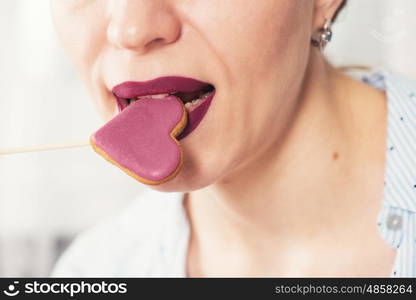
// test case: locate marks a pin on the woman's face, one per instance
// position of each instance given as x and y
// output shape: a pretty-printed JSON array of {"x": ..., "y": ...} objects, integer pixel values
[{"x": 253, "y": 52}]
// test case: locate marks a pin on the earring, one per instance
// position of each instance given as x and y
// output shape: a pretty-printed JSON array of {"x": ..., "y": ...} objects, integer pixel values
[{"x": 322, "y": 36}]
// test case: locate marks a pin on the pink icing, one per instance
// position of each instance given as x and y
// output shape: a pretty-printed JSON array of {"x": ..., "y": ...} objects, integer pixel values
[{"x": 139, "y": 140}]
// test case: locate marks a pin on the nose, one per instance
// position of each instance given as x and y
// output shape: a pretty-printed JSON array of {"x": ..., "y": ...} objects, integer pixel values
[{"x": 142, "y": 25}]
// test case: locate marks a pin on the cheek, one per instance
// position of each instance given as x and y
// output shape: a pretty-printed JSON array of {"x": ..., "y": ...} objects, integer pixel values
[
  {"x": 82, "y": 29},
  {"x": 264, "y": 51},
  {"x": 82, "y": 32},
  {"x": 253, "y": 37}
]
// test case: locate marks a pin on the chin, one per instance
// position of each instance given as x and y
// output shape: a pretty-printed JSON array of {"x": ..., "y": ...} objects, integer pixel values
[{"x": 187, "y": 180}]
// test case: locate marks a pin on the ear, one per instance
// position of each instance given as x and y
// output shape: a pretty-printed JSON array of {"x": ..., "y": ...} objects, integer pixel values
[{"x": 324, "y": 10}]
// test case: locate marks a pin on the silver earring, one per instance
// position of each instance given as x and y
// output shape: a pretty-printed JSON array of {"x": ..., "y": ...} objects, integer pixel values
[{"x": 322, "y": 36}]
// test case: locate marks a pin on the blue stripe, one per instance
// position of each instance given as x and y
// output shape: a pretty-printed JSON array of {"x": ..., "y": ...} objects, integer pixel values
[{"x": 399, "y": 201}]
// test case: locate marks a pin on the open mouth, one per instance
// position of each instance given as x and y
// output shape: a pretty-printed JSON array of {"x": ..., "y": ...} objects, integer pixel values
[
  {"x": 191, "y": 100},
  {"x": 194, "y": 94}
]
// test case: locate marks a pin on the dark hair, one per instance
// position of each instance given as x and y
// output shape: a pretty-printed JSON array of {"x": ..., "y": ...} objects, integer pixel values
[{"x": 344, "y": 2}]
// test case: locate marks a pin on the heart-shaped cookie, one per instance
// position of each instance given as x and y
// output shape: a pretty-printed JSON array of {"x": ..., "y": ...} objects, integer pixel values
[{"x": 141, "y": 140}]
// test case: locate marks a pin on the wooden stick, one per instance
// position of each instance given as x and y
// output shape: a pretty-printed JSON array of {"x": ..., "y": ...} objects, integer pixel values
[{"x": 43, "y": 148}]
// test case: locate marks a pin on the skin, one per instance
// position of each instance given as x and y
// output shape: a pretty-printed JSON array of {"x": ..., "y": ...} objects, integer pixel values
[{"x": 287, "y": 166}]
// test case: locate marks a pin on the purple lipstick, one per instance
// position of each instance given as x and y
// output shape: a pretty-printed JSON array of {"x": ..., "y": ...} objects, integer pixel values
[{"x": 194, "y": 94}]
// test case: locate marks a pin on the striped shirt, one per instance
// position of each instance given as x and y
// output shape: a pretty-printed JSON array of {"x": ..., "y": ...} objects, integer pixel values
[
  {"x": 149, "y": 238},
  {"x": 397, "y": 218}
]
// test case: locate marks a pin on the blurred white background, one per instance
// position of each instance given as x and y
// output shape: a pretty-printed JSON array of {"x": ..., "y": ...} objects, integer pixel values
[{"x": 48, "y": 197}]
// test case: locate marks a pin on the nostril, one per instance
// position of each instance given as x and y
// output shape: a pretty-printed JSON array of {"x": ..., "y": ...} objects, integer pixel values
[{"x": 157, "y": 42}]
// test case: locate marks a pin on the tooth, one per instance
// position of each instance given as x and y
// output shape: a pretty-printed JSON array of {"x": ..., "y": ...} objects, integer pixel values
[
  {"x": 159, "y": 96},
  {"x": 188, "y": 104},
  {"x": 206, "y": 95}
]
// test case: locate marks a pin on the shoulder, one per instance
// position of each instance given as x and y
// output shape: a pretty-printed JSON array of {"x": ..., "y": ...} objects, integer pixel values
[
  {"x": 129, "y": 238},
  {"x": 386, "y": 80},
  {"x": 400, "y": 91},
  {"x": 401, "y": 94},
  {"x": 400, "y": 174}
]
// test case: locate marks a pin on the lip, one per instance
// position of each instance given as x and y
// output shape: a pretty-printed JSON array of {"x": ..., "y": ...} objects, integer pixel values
[{"x": 166, "y": 85}]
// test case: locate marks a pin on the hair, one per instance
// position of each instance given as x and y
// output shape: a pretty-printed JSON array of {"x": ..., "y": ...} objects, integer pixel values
[{"x": 340, "y": 8}]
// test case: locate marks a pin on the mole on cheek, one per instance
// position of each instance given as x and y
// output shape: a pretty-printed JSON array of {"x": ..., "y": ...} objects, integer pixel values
[{"x": 335, "y": 156}]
